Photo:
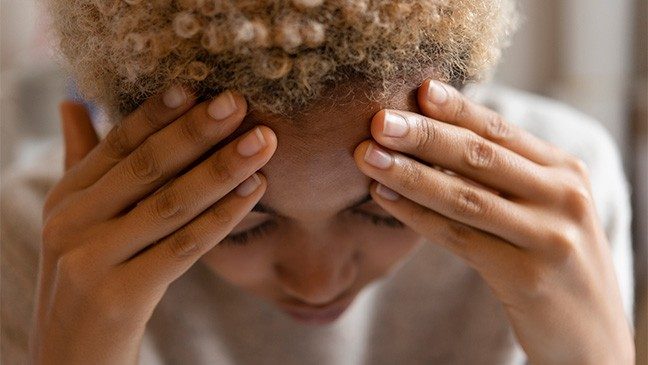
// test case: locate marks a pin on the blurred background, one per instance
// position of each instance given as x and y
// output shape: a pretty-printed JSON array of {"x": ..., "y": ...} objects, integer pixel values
[{"x": 590, "y": 54}]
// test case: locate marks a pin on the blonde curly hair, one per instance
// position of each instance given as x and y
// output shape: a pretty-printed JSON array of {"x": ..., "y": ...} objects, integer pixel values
[{"x": 280, "y": 54}]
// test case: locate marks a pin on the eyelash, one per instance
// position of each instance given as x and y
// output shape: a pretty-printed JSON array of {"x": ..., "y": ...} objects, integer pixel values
[{"x": 242, "y": 238}]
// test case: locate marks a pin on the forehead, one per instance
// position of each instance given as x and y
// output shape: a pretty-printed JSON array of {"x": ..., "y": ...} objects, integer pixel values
[{"x": 312, "y": 173}]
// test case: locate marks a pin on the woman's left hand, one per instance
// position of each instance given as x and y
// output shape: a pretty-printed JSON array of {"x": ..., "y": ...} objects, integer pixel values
[{"x": 516, "y": 208}]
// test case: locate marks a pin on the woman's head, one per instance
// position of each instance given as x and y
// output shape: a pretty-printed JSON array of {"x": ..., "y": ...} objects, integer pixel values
[{"x": 315, "y": 72}]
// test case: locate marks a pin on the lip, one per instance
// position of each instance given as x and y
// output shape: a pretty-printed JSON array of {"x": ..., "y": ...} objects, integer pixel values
[{"x": 318, "y": 315}]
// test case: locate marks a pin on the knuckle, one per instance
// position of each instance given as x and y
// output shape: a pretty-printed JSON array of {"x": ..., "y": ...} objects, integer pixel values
[
  {"x": 468, "y": 202},
  {"x": 562, "y": 243},
  {"x": 117, "y": 142},
  {"x": 143, "y": 164},
  {"x": 458, "y": 234},
  {"x": 558, "y": 238},
  {"x": 411, "y": 177},
  {"x": 577, "y": 200},
  {"x": 480, "y": 153},
  {"x": 459, "y": 237},
  {"x": 426, "y": 132},
  {"x": 220, "y": 168},
  {"x": 461, "y": 108},
  {"x": 578, "y": 166},
  {"x": 220, "y": 217},
  {"x": 151, "y": 116},
  {"x": 70, "y": 272},
  {"x": 419, "y": 217},
  {"x": 167, "y": 205},
  {"x": 182, "y": 244},
  {"x": 193, "y": 133},
  {"x": 497, "y": 128}
]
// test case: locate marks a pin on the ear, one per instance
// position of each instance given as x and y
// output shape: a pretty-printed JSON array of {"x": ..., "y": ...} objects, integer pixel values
[{"x": 79, "y": 134}]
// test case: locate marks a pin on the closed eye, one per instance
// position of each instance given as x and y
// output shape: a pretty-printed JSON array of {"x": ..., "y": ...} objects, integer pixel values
[
  {"x": 260, "y": 230},
  {"x": 243, "y": 237},
  {"x": 380, "y": 220}
]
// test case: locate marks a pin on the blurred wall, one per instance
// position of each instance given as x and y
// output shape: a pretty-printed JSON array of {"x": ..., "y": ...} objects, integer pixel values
[
  {"x": 577, "y": 51},
  {"x": 30, "y": 81}
]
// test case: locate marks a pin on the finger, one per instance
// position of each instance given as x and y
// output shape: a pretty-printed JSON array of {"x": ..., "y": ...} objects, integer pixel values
[
  {"x": 125, "y": 136},
  {"x": 467, "y": 180},
  {"x": 462, "y": 151},
  {"x": 445, "y": 103},
  {"x": 445, "y": 194},
  {"x": 79, "y": 135},
  {"x": 189, "y": 195},
  {"x": 493, "y": 257},
  {"x": 163, "y": 155},
  {"x": 163, "y": 262}
]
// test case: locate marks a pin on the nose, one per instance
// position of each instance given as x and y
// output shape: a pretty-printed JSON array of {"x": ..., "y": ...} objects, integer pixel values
[{"x": 318, "y": 276}]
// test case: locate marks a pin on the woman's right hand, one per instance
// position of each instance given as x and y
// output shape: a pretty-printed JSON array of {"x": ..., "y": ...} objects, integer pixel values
[{"x": 123, "y": 223}]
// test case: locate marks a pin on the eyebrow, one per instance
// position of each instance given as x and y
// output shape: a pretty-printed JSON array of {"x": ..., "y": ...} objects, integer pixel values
[{"x": 265, "y": 209}]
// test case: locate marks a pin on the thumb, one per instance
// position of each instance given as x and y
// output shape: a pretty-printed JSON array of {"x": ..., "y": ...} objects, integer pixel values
[{"x": 79, "y": 135}]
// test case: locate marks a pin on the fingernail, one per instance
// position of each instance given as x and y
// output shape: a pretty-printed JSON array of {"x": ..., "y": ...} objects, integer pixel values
[
  {"x": 174, "y": 97},
  {"x": 386, "y": 192},
  {"x": 437, "y": 93},
  {"x": 377, "y": 157},
  {"x": 222, "y": 106},
  {"x": 252, "y": 143},
  {"x": 395, "y": 125},
  {"x": 248, "y": 186}
]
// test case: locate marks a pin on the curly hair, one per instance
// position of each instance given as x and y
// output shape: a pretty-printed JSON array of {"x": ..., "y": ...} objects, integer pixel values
[{"x": 280, "y": 54}]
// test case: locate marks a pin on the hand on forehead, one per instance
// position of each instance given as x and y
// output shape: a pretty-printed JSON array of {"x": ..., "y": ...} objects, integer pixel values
[{"x": 312, "y": 173}]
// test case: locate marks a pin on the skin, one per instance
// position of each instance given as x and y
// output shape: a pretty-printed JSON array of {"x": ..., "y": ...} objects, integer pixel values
[
  {"x": 501, "y": 197},
  {"x": 318, "y": 250}
]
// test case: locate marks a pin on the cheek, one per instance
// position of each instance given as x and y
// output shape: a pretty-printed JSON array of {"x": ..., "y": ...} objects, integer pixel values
[
  {"x": 384, "y": 250},
  {"x": 243, "y": 266}
]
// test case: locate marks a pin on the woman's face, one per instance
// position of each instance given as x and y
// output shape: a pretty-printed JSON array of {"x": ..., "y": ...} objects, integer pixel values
[{"x": 320, "y": 237}]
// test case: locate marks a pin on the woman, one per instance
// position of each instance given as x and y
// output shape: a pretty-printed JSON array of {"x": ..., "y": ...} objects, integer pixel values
[{"x": 280, "y": 188}]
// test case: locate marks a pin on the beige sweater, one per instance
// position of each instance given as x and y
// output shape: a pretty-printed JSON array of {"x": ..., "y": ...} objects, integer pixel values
[{"x": 432, "y": 310}]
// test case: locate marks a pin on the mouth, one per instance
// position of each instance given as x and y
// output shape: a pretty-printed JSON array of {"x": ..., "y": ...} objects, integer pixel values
[{"x": 320, "y": 314}]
